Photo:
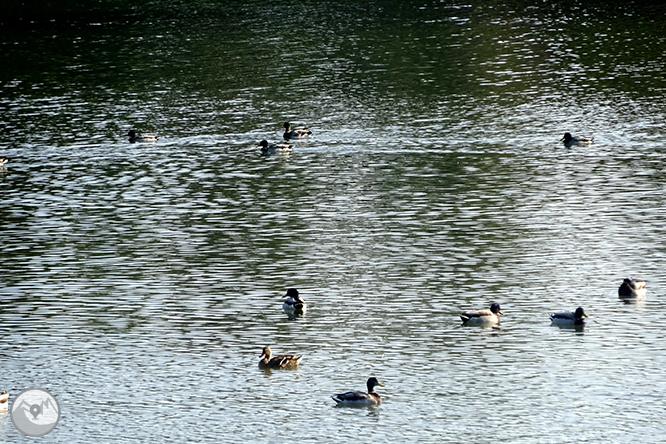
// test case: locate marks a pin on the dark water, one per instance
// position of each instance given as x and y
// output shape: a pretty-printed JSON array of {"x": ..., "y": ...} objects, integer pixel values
[{"x": 140, "y": 281}]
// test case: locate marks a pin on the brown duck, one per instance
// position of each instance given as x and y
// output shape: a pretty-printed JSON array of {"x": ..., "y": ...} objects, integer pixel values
[{"x": 267, "y": 360}]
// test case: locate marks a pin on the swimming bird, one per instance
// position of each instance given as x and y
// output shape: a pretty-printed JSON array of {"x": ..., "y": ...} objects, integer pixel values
[
  {"x": 293, "y": 303},
  {"x": 267, "y": 360},
  {"x": 360, "y": 399},
  {"x": 568, "y": 139},
  {"x": 145, "y": 138},
  {"x": 4, "y": 398},
  {"x": 483, "y": 317},
  {"x": 632, "y": 288},
  {"x": 572, "y": 319},
  {"x": 297, "y": 133},
  {"x": 274, "y": 148}
]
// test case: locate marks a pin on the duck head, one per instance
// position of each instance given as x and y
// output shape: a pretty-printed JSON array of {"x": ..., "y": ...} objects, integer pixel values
[
  {"x": 372, "y": 383},
  {"x": 580, "y": 313},
  {"x": 266, "y": 353},
  {"x": 293, "y": 293}
]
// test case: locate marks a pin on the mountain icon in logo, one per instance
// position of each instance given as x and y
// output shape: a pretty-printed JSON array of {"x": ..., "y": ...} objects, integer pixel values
[{"x": 35, "y": 412}]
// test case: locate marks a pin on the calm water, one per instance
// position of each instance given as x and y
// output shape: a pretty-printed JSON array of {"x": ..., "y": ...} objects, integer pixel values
[{"x": 140, "y": 282}]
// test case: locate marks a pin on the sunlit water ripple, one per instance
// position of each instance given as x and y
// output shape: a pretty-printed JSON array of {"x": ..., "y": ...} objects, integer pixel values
[{"x": 142, "y": 280}]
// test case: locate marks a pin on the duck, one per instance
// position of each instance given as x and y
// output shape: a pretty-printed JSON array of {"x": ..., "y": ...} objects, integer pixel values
[
  {"x": 297, "y": 133},
  {"x": 267, "y": 360},
  {"x": 4, "y": 398},
  {"x": 572, "y": 319},
  {"x": 274, "y": 148},
  {"x": 568, "y": 139},
  {"x": 360, "y": 399},
  {"x": 145, "y": 138},
  {"x": 293, "y": 302},
  {"x": 483, "y": 317},
  {"x": 632, "y": 288}
]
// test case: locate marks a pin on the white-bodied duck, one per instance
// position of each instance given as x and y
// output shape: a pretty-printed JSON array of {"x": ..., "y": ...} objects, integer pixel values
[
  {"x": 569, "y": 319},
  {"x": 360, "y": 399},
  {"x": 568, "y": 139},
  {"x": 144, "y": 138},
  {"x": 296, "y": 133},
  {"x": 293, "y": 304},
  {"x": 632, "y": 288},
  {"x": 483, "y": 317},
  {"x": 4, "y": 401},
  {"x": 274, "y": 148}
]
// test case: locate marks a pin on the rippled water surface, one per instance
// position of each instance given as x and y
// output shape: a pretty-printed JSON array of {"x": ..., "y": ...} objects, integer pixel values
[{"x": 141, "y": 281}]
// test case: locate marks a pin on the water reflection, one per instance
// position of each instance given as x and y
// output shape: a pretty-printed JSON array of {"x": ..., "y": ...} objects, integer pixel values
[
  {"x": 579, "y": 329},
  {"x": 633, "y": 300},
  {"x": 292, "y": 316},
  {"x": 434, "y": 182}
]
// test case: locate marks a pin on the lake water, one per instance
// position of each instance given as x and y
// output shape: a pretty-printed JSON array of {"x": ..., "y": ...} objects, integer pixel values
[{"x": 141, "y": 281}]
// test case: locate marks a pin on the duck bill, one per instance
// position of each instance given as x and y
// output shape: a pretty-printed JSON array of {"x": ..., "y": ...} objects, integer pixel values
[{"x": 380, "y": 384}]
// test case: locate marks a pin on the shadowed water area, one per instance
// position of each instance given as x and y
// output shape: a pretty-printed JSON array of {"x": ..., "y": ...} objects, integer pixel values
[{"x": 140, "y": 282}]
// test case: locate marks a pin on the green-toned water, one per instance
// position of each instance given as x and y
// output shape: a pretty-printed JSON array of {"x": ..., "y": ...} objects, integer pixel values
[{"x": 141, "y": 281}]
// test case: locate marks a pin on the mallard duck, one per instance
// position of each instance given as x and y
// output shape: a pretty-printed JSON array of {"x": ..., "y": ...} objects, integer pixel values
[
  {"x": 274, "y": 148},
  {"x": 145, "y": 138},
  {"x": 568, "y": 139},
  {"x": 632, "y": 288},
  {"x": 293, "y": 302},
  {"x": 4, "y": 398},
  {"x": 360, "y": 399},
  {"x": 282, "y": 361},
  {"x": 576, "y": 318},
  {"x": 483, "y": 317},
  {"x": 298, "y": 133}
]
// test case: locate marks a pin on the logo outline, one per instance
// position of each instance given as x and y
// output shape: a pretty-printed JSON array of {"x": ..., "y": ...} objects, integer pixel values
[{"x": 38, "y": 401}]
